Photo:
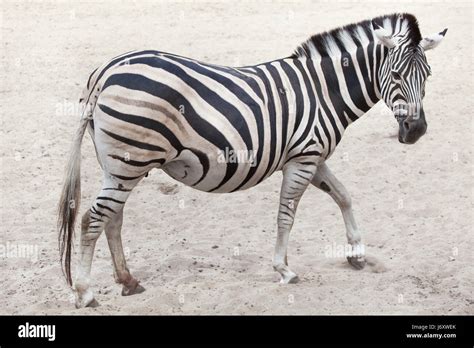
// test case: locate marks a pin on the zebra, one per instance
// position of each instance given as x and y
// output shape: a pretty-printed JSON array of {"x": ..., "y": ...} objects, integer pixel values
[{"x": 150, "y": 109}]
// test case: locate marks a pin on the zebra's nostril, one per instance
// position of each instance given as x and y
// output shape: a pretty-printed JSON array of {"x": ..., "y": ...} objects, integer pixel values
[{"x": 406, "y": 125}]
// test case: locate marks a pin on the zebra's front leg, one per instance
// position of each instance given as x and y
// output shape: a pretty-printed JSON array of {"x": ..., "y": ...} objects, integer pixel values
[
  {"x": 122, "y": 275},
  {"x": 296, "y": 178},
  {"x": 327, "y": 182}
]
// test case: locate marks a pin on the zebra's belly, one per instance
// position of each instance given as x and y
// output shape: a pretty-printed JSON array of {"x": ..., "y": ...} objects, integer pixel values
[{"x": 218, "y": 173}]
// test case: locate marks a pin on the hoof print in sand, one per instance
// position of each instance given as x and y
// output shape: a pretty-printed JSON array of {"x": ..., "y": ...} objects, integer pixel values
[{"x": 169, "y": 189}]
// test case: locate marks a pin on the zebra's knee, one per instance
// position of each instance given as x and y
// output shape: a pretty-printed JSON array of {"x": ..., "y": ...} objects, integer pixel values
[
  {"x": 344, "y": 199},
  {"x": 346, "y": 202}
]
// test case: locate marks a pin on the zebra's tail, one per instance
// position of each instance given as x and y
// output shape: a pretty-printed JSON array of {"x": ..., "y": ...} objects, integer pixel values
[{"x": 69, "y": 202}]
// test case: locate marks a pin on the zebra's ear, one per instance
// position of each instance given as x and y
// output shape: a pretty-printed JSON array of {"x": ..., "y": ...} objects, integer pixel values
[
  {"x": 385, "y": 37},
  {"x": 432, "y": 41}
]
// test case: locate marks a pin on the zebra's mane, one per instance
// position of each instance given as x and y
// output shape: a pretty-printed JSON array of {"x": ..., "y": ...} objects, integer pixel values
[{"x": 357, "y": 34}]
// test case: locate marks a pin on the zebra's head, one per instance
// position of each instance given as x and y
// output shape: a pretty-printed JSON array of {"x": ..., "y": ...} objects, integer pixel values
[{"x": 403, "y": 76}]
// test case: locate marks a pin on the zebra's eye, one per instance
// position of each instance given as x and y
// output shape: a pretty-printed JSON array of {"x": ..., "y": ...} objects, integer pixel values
[{"x": 396, "y": 75}]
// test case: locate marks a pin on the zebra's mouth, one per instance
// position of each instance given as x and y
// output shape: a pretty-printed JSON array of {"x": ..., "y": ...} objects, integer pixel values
[{"x": 403, "y": 141}]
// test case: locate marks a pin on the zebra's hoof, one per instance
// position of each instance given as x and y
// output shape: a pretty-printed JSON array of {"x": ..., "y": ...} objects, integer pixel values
[
  {"x": 93, "y": 304},
  {"x": 357, "y": 262},
  {"x": 134, "y": 288},
  {"x": 289, "y": 279},
  {"x": 86, "y": 300}
]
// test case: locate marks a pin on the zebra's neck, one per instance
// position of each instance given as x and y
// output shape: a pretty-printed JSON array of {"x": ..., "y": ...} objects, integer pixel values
[
  {"x": 347, "y": 83},
  {"x": 344, "y": 85}
]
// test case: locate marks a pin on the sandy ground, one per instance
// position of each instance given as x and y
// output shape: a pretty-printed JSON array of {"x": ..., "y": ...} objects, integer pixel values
[{"x": 200, "y": 253}]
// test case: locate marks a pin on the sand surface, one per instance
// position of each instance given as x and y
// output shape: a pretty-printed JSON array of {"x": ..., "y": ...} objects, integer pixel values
[{"x": 200, "y": 253}]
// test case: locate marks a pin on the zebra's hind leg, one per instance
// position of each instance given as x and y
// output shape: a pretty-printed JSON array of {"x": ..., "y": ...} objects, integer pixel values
[
  {"x": 122, "y": 274},
  {"x": 296, "y": 178},
  {"x": 327, "y": 182},
  {"x": 105, "y": 209},
  {"x": 84, "y": 296}
]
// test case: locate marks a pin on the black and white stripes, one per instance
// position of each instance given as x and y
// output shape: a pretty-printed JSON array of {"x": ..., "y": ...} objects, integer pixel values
[{"x": 151, "y": 109}]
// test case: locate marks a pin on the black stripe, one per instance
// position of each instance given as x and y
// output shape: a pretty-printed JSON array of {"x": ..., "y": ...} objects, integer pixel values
[
  {"x": 105, "y": 207},
  {"x": 271, "y": 118},
  {"x": 110, "y": 199},
  {"x": 303, "y": 154},
  {"x": 281, "y": 93},
  {"x": 138, "y": 163},
  {"x": 301, "y": 176},
  {"x": 204, "y": 163},
  {"x": 334, "y": 91},
  {"x": 352, "y": 81},
  {"x": 117, "y": 60},
  {"x": 90, "y": 77},
  {"x": 369, "y": 86},
  {"x": 122, "y": 177},
  {"x": 145, "y": 123},
  {"x": 326, "y": 131},
  {"x": 116, "y": 189},
  {"x": 128, "y": 141},
  {"x": 312, "y": 102},
  {"x": 285, "y": 213},
  {"x": 318, "y": 135},
  {"x": 325, "y": 107},
  {"x": 94, "y": 211},
  {"x": 295, "y": 84},
  {"x": 379, "y": 50}
]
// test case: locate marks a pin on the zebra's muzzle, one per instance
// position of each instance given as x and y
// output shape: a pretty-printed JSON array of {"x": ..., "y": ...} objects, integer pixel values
[{"x": 411, "y": 128}]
